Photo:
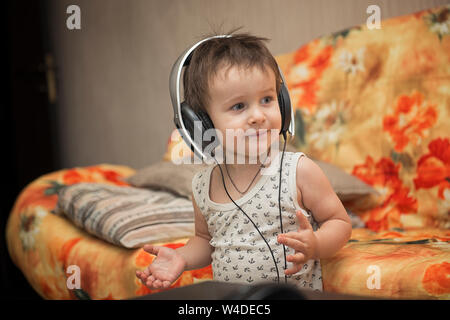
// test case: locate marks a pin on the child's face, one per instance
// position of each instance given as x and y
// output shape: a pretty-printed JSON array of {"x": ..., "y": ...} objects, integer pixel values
[{"x": 245, "y": 99}]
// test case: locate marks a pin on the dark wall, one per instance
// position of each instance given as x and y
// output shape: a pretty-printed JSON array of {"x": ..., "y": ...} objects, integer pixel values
[{"x": 27, "y": 121}]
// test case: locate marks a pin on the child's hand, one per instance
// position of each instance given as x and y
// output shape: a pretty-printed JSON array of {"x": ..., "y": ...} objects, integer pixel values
[
  {"x": 304, "y": 242},
  {"x": 165, "y": 268}
]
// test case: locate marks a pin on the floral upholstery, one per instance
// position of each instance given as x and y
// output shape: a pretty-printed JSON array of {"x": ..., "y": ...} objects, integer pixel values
[{"x": 376, "y": 104}]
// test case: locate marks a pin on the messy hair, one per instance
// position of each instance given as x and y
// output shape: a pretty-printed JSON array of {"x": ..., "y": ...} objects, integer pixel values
[{"x": 241, "y": 50}]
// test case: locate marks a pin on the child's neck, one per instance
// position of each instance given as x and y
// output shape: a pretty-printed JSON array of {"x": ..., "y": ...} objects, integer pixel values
[{"x": 248, "y": 167}]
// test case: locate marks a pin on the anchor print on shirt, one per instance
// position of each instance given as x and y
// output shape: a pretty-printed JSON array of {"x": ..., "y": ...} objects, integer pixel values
[{"x": 256, "y": 261}]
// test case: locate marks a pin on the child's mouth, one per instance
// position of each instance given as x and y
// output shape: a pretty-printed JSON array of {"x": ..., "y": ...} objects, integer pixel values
[{"x": 258, "y": 133}]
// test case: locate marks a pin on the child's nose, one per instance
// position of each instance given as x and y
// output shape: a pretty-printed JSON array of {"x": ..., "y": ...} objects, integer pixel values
[{"x": 257, "y": 116}]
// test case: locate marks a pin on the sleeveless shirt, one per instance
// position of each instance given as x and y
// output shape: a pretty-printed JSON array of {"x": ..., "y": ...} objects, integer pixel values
[{"x": 240, "y": 254}]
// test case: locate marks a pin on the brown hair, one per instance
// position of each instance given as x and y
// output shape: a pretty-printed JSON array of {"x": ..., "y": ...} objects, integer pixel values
[{"x": 242, "y": 50}]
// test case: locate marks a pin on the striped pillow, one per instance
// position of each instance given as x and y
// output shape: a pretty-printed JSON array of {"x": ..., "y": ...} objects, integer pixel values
[{"x": 126, "y": 216}]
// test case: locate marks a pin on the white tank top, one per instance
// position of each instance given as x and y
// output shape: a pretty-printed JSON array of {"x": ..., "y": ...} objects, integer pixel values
[{"x": 240, "y": 254}]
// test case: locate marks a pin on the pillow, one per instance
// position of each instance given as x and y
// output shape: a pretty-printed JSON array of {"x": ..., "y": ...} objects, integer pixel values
[
  {"x": 167, "y": 176},
  {"x": 126, "y": 216}
]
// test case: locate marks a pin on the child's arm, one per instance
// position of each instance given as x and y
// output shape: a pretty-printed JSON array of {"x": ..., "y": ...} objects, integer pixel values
[
  {"x": 318, "y": 196},
  {"x": 169, "y": 264},
  {"x": 197, "y": 251}
]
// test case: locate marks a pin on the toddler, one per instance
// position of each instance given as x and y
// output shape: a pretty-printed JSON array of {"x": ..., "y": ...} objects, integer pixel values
[{"x": 236, "y": 81}]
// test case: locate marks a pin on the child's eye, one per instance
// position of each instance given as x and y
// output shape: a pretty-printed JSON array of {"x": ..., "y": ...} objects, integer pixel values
[
  {"x": 267, "y": 99},
  {"x": 236, "y": 107}
]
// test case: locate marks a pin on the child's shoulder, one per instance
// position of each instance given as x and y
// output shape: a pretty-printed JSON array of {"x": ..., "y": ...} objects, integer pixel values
[
  {"x": 308, "y": 172},
  {"x": 201, "y": 173}
]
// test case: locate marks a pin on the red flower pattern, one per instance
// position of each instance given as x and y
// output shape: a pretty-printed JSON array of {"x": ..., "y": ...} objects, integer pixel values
[
  {"x": 410, "y": 120},
  {"x": 384, "y": 175},
  {"x": 433, "y": 168}
]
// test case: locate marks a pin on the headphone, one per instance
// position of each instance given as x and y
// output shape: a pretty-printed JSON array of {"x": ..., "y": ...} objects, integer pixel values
[{"x": 193, "y": 124}]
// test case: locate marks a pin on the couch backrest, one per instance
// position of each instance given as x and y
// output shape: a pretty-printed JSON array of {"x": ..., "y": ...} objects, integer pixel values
[{"x": 376, "y": 103}]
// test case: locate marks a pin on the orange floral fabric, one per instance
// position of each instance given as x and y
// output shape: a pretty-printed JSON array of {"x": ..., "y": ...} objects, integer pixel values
[
  {"x": 377, "y": 106},
  {"x": 411, "y": 264}
]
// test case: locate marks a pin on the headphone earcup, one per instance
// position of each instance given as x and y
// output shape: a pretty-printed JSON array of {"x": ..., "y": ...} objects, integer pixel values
[
  {"x": 206, "y": 120},
  {"x": 285, "y": 108},
  {"x": 196, "y": 124},
  {"x": 208, "y": 125}
]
